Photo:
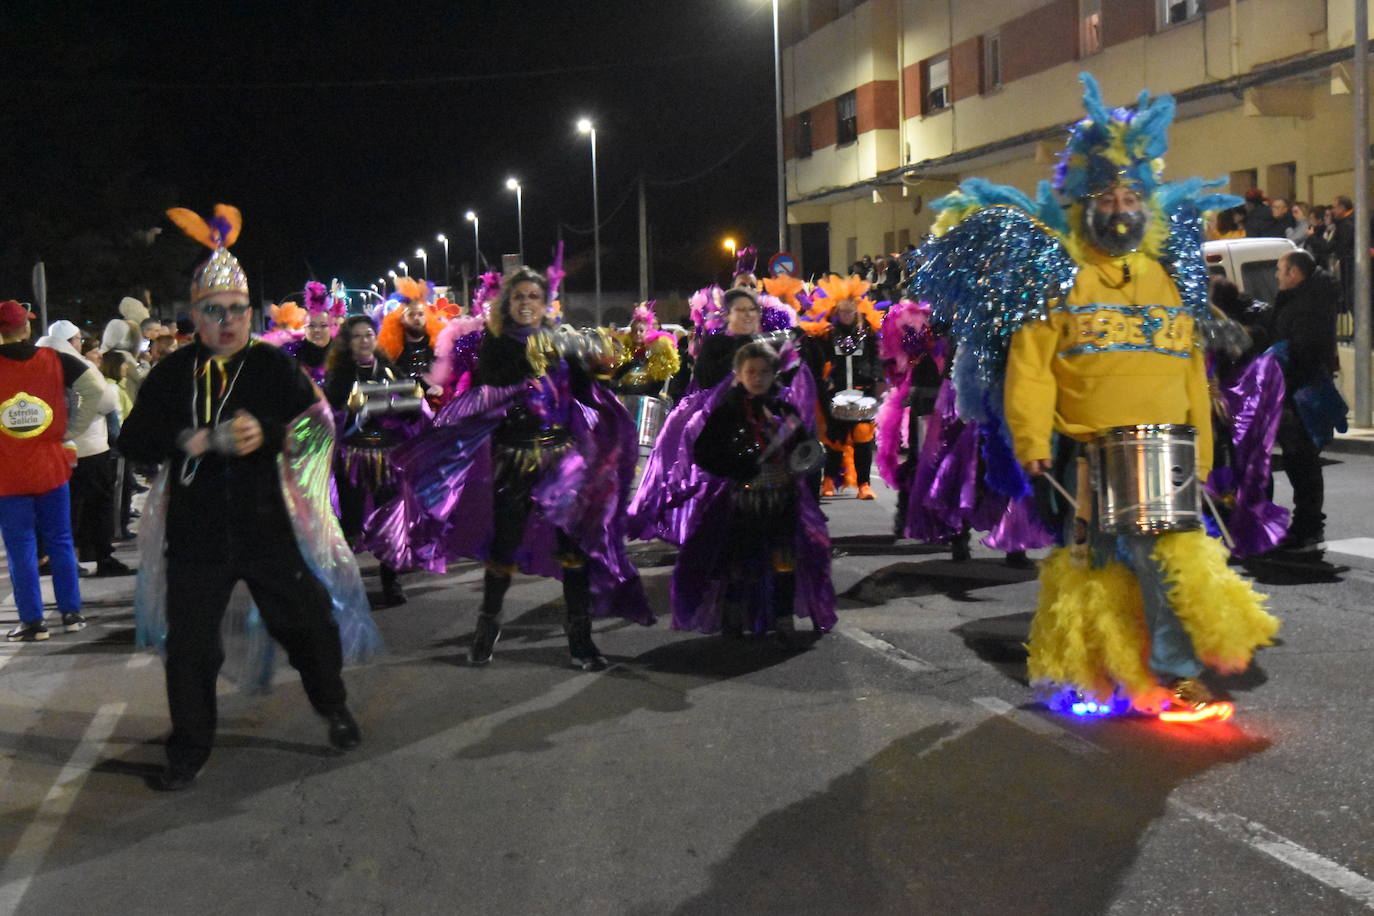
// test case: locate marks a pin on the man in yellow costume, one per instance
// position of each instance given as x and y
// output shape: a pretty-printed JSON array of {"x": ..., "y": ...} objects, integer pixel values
[{"x": 1077, "y": 313}]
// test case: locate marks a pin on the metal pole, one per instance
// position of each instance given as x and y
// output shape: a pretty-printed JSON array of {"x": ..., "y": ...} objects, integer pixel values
[
  {"x": 446, "y": 273},
  {"x": 477, "y": 245},
  {"x": 777, "y": 111},
  {"x": 596, "y": 230},
  {"x": 1361, "y": 305},
  {"x": 520, "y": 221},
  {"x": 643, "y": 243}
]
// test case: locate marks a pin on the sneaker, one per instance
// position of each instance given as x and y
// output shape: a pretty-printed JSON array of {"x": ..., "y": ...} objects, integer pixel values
[
  {"x": 1191, "y": 701},
  {"x": 828, "y": 488},
  {"x": 111, "y": 567},
  {"x": 73, "y": 622},
  {"x": 865, "y": 492},
  {"x": 484, "y": 640},
  {"x": 35, "y": 631}
]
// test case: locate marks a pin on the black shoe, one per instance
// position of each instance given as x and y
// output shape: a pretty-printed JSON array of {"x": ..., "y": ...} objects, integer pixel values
[
  {"x": 343, "y": 729},
  {"x": 111, "y": 567},
  {"x": 959, "y": 550},
  {"x": 393, "y": 595},
  {"x": 785, "y": 629},
  {"x": 1017, "y": 559},
  {"x": 1301, "y": 543},
  {"x": 484, "y": 640},
  {"x": 28, "y": 632},
  {"x": 585, "y": 654},
  {"x": 73, "y": 622},
  {"x": 172, "y": 779}
]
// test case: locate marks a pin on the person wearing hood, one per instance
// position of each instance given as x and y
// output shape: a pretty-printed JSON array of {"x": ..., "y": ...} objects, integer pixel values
[
  {"x": 125, "y": 335},
  {"x": 36, "y": 426},
  {"x": 97, "y": 467}
]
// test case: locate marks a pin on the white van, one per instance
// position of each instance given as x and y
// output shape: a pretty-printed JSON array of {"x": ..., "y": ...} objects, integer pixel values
[{"x": 1251, "y": 264}]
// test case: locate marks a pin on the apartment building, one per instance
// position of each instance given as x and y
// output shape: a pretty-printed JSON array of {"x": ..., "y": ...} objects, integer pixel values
[{"x": 889, "y": 103}]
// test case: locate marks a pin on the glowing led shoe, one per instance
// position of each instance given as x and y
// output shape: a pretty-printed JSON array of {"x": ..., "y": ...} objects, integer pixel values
[{"x": 1191, "y": 701}]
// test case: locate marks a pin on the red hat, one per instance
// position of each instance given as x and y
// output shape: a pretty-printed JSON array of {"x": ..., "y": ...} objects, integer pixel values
[
  {"x": 13, "y": 315},
  {"x": 1254, "y": 194}
]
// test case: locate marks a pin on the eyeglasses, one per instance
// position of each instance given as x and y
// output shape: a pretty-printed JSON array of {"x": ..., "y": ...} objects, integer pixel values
[{"x": 222, "y": 313}]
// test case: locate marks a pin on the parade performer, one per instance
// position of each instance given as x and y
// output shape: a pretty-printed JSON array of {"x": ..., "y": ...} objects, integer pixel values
[
  {"x": 368, "y": 429},
  {"x": 37, "y": 455},
  {"x": 727, "y": 320},
  {"x": 528, "y": 469},
  {"x": 243, "y": 496},
  {"x": 914, "y": 360},
  {"x": 649, "y": 356},
  {"x": 759, "y": 552},
  {"x": 455, "y": 352},
  {"x": 1084, "y": 313},
  {"x": 843, "y": 343},
  {"x": 320, "y": 327},
  {"x": 409, "y": 333}
]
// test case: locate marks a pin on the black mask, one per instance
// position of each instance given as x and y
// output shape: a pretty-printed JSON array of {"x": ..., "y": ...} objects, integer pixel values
[{"x": 1115, "y": 233}]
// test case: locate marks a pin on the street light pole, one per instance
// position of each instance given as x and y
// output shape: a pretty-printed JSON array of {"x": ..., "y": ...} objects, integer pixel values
[
  {"x": 471, "y": 217},
  {"x": 444, "y": 239},
  {"x": 513, "y": 185},
  {"x": 424, "y": 262},
  {"x": 585, "y": 126},
  {"x": 405, "y": 268},
  {"x": 1360, "y": 307},
  {"x": 777, "y": 112}
]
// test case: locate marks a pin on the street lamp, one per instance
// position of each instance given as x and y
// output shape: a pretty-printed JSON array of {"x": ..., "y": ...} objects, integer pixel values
[
  {"x": 392, "y": 275},
  {"x": 405, "y": 268},
  {"x": 777, "y": 114},
  {"x": 514, "y": 185},
  {"x": 444, "y": 239},
  {"x": 729, "y": 245},
  {"x": 424, "y": 262},
  {"x": 471, "y": 217},
  {"x": 584, "y": 126}
]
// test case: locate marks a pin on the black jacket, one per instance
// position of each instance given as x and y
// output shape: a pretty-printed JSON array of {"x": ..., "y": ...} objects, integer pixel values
[
  {"x": 737, "y": 433},
  {"x": 1305, "y": 316},
  {"x": 233, "y": 506}
]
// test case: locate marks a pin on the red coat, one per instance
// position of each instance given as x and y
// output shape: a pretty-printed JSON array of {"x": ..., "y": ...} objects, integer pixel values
[{"x": 33, "y": 422}]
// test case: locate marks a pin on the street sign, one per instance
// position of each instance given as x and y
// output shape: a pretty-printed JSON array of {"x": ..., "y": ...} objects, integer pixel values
[{"x": 783, "y": 263}]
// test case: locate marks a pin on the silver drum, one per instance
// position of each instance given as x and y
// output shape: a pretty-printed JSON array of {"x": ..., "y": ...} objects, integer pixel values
[
  {"x": 648, "y": 414},
  {"x": 1145, "y": 479}
]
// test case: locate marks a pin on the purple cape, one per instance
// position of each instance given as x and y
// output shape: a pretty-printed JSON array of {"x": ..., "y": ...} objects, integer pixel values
[{"x": 1254, "y": 399}]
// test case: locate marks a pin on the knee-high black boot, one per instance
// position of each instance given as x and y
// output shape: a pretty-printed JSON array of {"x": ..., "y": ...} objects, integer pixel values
[
  {"x": 577, "y": 593},
  {"x": 488, "y": 631},
  {"x": 784, "y": 601},
  {"x": 392, "y": 593}
]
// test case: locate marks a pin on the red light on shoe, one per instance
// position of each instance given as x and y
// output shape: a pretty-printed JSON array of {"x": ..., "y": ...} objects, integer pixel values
[{"x": 1220, "y": 712}]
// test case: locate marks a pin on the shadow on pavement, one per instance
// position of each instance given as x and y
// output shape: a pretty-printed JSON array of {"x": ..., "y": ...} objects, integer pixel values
[
  {"x": 956, "y": 581},
  {"x": 996, "y": 820},
  {"x": 1290, "y": 569}
]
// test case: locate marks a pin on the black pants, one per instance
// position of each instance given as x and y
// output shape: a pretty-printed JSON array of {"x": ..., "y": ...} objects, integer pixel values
[
  {"x": 1302, "y": 464},
  {"x": 93, "y": 493},
  {"x": 296, "y": 611}
]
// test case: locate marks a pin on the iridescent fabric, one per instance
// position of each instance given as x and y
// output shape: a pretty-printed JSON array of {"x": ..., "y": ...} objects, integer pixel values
[
  {"x": 304, "y": 467},
  {"x": 948, "y": 494},
  {"x": 444, "y": 508},
  {"x": 1254, "y": 401},
  {"x": 673, "y": 490}
]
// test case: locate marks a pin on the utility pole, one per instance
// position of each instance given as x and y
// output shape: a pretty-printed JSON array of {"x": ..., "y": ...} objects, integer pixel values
[
  {"x": 643, "y": 243},
  {"x": 1360, "y": 307}
]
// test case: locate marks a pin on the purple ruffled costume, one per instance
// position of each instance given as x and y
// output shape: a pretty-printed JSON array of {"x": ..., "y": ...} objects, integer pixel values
[
  {"x": 445, "y": 480},
  {"x": 948, "y": 495},
  {"x": 1254, "y": 399},
  {"x": 682, "y": 504}
]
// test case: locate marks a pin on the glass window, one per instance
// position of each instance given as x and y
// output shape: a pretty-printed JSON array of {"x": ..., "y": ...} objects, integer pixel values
[
  {"x": 804, "y": 135},
  {"x": 1172, "y": 12},
  {"x": 1259, "y": 280},
  {"x": 937, "y": 84},
  {"x": 1089, "y": 27},
  {"x": 846, "y": 119},
  {"x": 992, "y": 62}
]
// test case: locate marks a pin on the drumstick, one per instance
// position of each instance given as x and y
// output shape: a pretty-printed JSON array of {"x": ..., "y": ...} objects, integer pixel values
[{"x": 1216, "y": 516}]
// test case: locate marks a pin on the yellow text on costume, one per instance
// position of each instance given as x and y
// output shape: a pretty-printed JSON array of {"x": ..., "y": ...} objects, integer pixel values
[{"x": 1103, "y": 328}]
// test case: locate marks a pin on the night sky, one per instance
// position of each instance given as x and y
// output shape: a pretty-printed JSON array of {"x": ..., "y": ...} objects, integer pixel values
[{"x": 351, "y": 133}]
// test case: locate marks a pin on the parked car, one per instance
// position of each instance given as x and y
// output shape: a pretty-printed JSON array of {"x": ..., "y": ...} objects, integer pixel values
[{"x": 1251, "y": 264}]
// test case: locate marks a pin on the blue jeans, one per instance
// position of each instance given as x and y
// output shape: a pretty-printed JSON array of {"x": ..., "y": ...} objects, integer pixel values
[{"x": 21, "y": 518}]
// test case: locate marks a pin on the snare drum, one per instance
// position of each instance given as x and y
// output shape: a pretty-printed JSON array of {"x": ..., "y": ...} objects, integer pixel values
[
  {"x": 854, "y": 406},
  {"x": 1145, "y": 479},
  {"x": 648, "y": 414}
]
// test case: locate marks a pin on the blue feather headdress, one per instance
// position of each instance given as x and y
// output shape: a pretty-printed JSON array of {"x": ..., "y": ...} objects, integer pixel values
[{"x": 1120, "y": 146}]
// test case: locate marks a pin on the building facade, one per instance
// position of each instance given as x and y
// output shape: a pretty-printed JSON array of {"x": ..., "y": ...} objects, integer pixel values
[{"x": 890, "y": 103}]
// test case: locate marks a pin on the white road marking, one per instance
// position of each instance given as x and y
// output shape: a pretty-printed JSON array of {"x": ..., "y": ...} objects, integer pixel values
[
  {"x": 38, "y": 837},
  {"x": 887, "y": 650},
  {"x": 1261, "y": 838}
]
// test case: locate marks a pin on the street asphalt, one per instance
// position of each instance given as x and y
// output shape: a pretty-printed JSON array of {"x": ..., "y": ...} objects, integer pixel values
[{"x": 901, "y": 765}]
